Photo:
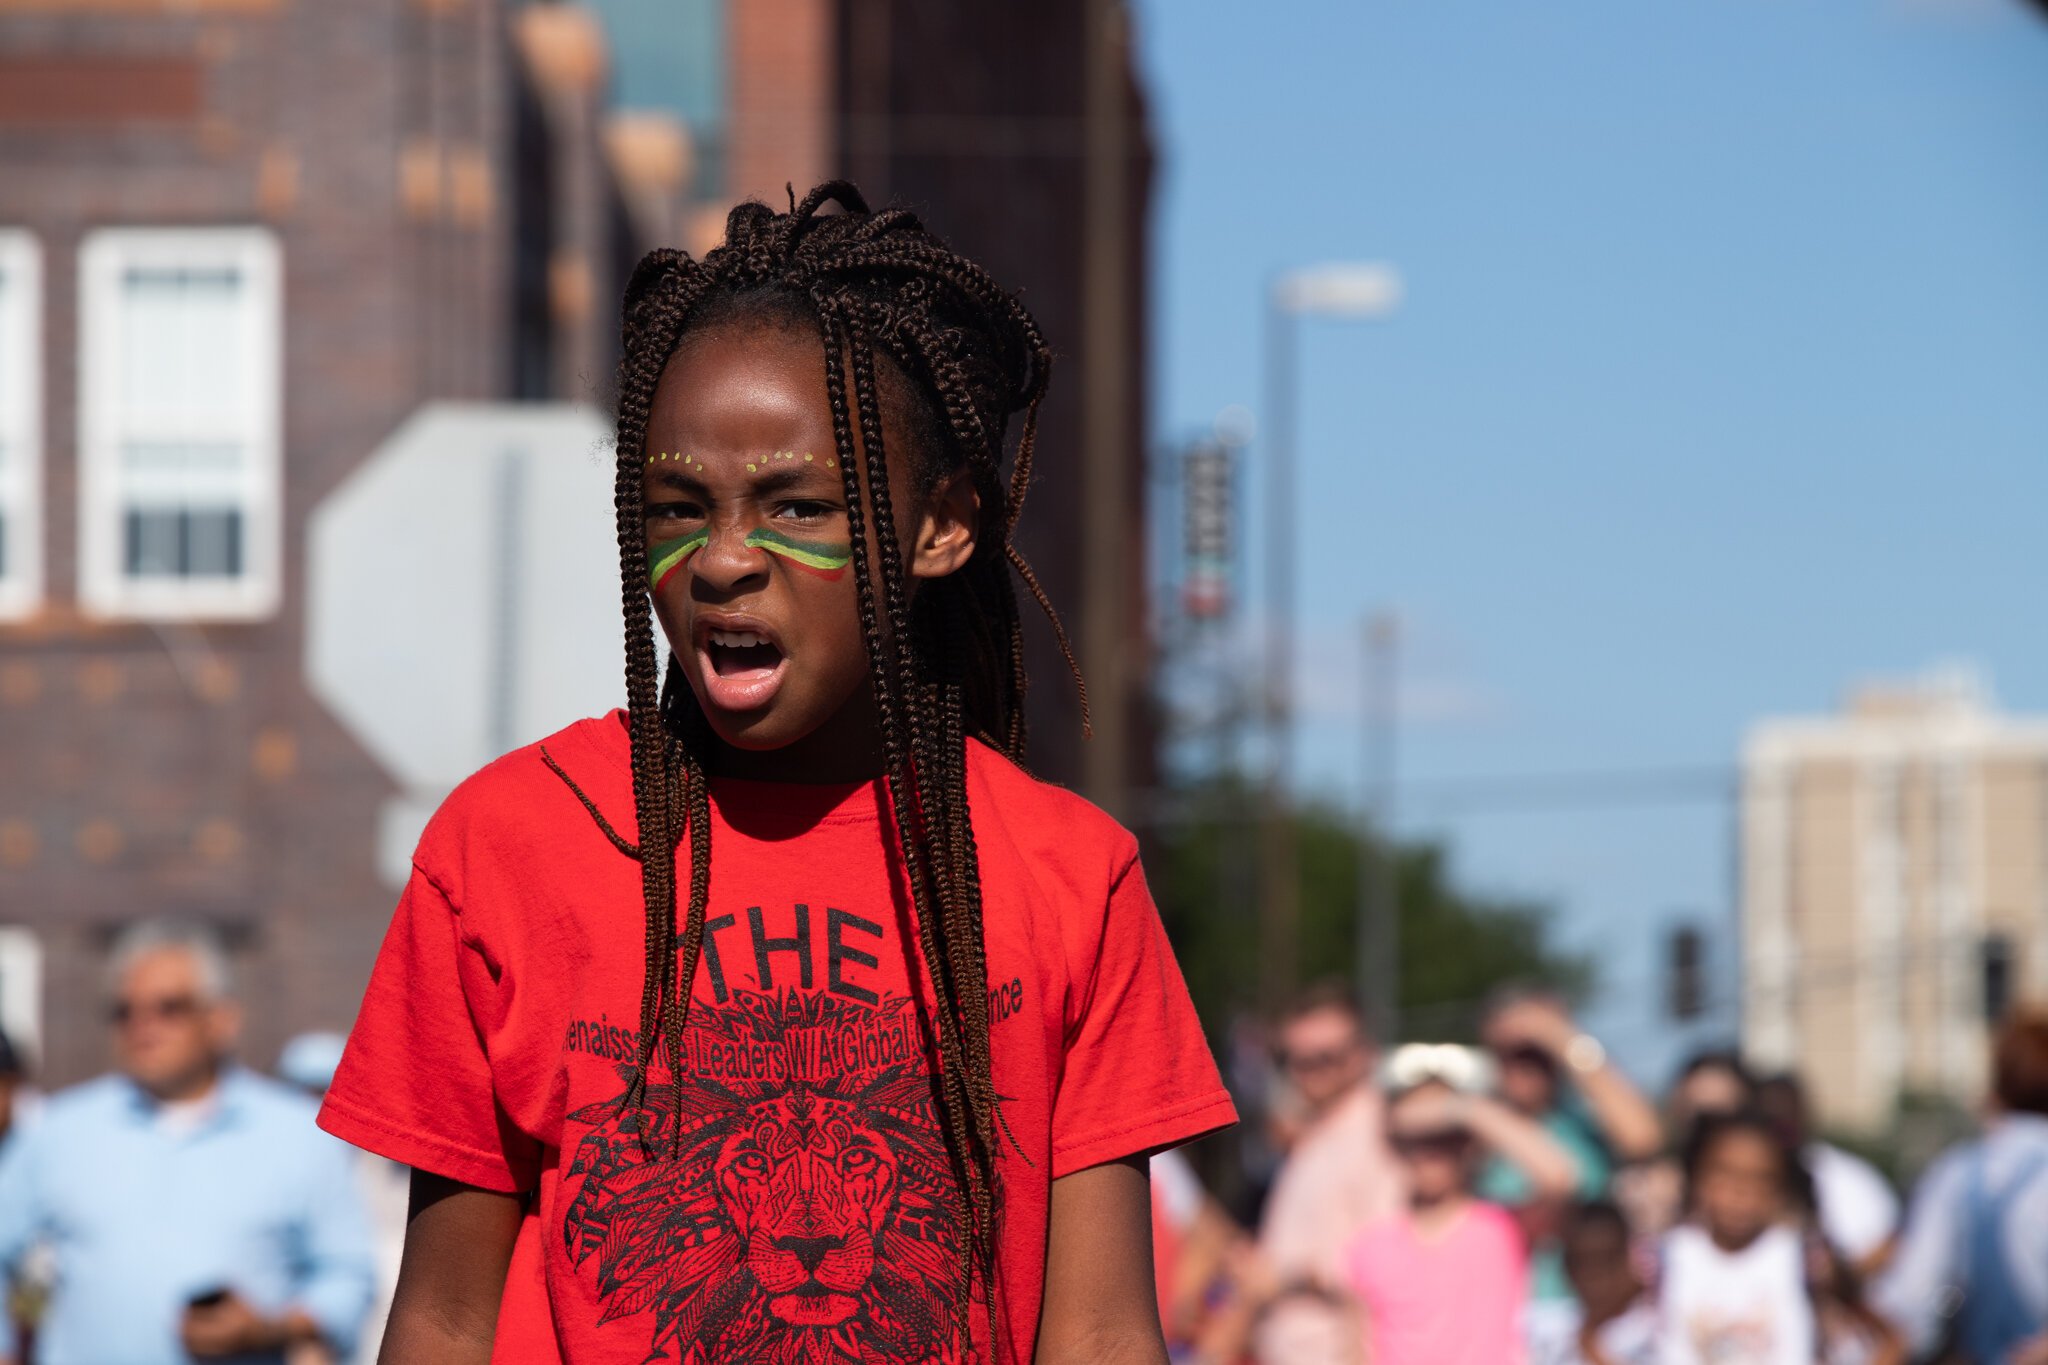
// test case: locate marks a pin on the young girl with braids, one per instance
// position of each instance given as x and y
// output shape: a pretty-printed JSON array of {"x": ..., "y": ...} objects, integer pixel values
[{"x": 782, "y": 1016}]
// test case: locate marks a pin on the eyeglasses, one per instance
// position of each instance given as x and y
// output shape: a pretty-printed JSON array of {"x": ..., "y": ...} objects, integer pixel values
[
  {"x": 1438, "y": 1142},
  {"x": 165, "y": 1010},
  {"x": 1329, "y": 1059}
]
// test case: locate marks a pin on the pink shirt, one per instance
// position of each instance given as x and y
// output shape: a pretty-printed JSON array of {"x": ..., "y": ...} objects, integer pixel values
[
  {"x": 1339, "y": 1179},
  {"x": 1455, "y": 1299}
]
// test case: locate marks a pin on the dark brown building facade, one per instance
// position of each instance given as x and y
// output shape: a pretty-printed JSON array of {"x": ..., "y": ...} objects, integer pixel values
[
  {"x": 1020, "y": 134},
  {"x": 241, "y": 241}
]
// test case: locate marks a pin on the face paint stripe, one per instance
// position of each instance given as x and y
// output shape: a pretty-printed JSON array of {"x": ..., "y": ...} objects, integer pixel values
[
  {"x": 822, "y": 554},
  {"x": 667, "y": 556}
]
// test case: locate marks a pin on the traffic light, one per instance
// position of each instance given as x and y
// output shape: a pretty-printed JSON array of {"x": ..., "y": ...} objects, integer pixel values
[
  {"x": 1995, "y": 961},
  {"x": 1687, "y": 973}
]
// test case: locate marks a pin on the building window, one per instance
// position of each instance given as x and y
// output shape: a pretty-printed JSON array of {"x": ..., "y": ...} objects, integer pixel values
[
  {"x": 21, "y": 424},
  {"x": 21, "y": 990},
  {"x": 180, "y": 494}
]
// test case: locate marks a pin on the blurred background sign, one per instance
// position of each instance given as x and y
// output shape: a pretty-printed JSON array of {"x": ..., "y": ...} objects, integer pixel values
[
  {"x": 1209, "y": 537},
  {"x": 456, "y": 591}
]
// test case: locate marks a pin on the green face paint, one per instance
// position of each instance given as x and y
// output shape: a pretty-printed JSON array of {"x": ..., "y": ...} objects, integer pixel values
[
  {"x": 668, "y": 555},
  {"x": 826, "y": 558}
]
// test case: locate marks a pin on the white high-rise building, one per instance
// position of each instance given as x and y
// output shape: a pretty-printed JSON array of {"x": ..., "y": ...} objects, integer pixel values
[{"x": 1894, "y": 882}]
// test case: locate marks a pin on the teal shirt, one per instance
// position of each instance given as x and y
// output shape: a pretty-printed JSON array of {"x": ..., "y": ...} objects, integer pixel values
[{"x": 1503, "y": 1184}]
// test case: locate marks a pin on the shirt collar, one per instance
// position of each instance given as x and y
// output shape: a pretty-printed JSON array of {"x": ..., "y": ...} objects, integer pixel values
[
  {"x": 230, "y": 1099},
  {"x": 2027, "y": 1128}
]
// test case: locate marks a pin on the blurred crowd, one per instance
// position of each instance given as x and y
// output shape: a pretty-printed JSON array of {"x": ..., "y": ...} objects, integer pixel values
[
  {"x": 1519, "y": 1201},
  {"x": 1524, "y": 1201},
  {"x": 185, "y": 1207}
]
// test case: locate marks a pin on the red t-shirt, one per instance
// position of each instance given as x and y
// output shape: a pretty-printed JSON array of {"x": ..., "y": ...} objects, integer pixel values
[{"x": 809, "y": 1218}]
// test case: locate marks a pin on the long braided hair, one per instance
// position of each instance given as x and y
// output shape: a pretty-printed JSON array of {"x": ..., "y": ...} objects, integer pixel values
[{"x": 963, "y": 355}]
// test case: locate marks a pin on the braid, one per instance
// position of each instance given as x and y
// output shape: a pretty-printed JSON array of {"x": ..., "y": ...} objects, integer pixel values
[
  {"x": 944, "y": 668},
  {"x": 935, "y": 891}
]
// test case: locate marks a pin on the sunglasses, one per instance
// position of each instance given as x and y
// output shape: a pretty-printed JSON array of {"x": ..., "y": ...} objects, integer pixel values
[
  {"x": 167, "y": 1010},
  {"x": 1531, "y": 1056},
  {"x": 1307, "y": 1063},
  {"x": 1440, "y": 1142}
]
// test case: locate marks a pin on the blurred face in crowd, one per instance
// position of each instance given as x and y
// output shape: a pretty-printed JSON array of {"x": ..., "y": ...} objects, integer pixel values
[
  {"x": 1528, "y": 1080},
  {"x": 1596, "y": 1261},
  {"x": 170, "y": 1037},
  {"x": 1514, "y": 1033},
  {"x": 1435, "y": 1151},
  {"x": 1325, "y": 1055},
  {"x": 1707, "y": 1091},
  {"x": 1739, "y": 1190}
]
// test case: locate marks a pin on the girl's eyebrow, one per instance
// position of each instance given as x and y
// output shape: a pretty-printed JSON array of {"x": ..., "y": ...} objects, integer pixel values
[
  {"x": 774, "y": 479},
  {"x": 778, "y": 480},
  {"x": 677, "y": 480}
]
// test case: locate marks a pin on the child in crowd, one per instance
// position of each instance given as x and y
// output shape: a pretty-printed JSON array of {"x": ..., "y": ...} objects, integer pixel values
[
  {"x": 1194, "y": 1242},
  {"x": 782, "y": 1016},
  {"x": 1851, "y": 1331},
  {"x": 1734, "y": 1277},
  {"x": 1614, "y": 1317},
  {"x": 1444, "y": 1281}
]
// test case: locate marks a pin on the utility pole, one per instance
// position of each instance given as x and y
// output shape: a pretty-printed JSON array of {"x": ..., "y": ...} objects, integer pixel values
[{"x": 1108, "y": 454}]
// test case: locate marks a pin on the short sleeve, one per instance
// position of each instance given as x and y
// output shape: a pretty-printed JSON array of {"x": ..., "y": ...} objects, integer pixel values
[
  {"x": 415, "y": 1082},
  {"x": 1137, "y": 1074}
]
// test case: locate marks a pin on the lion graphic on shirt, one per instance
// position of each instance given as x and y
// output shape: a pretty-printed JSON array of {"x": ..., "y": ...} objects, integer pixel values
[
  {"x": 809, "y": 1185},
  {"x": 804, "y": 1218}
]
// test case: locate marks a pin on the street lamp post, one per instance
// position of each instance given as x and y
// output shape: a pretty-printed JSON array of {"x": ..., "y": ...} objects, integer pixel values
[
  {"x": 1379, "y": 887},
  {"x": 1358, "y": 291}
]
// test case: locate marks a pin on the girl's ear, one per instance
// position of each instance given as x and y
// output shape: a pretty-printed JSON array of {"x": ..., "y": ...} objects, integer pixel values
[{"x": 947, "y": 528}]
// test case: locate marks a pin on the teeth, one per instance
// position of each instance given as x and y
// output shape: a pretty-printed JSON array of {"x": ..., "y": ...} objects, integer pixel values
[{"x": 736, "y": 639}]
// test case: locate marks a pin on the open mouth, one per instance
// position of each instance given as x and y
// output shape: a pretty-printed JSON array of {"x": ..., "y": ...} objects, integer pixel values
[
  {"x": 741, "y": 669},
  {"x": 742, "y": 654}
]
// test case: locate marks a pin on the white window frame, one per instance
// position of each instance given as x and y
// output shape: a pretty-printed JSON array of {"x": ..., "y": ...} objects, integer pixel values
[
  {"x": 21, "y": 424},
  {"x": 21, "y": 991},
  {"x": 105, "y": 588}
]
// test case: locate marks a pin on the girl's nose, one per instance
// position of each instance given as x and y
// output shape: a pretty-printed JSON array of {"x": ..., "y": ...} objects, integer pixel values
[{"x": 727, "y": 562}]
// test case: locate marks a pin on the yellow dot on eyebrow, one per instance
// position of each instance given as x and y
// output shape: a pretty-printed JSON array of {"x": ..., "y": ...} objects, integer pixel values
[
  {"x": 750, "y": 469},
  {"x": 807, "y": 457}
]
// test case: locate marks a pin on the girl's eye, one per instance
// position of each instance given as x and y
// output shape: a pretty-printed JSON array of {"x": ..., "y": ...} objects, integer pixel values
[
  {"x": 807, "y": 511},
  {"x": 671, "y": 511}
]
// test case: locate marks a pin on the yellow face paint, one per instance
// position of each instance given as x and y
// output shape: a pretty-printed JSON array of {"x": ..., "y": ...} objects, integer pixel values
[
  {"x": 826, "y": 558},
  {"x": 668, "y": 555}
]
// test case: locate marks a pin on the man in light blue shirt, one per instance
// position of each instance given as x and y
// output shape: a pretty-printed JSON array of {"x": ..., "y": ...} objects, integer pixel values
[
  {"x": 1976, "y": 1238},
  {"x": 191, "y": 1207}
]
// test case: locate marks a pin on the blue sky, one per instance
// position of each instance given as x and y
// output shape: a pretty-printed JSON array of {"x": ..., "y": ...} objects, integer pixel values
[{"x": 1721, "y": 382}]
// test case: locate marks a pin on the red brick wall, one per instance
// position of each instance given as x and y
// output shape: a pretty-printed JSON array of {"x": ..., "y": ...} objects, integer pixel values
[{"x": 188, "y": 770}]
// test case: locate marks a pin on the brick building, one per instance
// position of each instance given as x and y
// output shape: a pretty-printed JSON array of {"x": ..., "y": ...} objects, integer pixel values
[{"x": 241, "y": 241}]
